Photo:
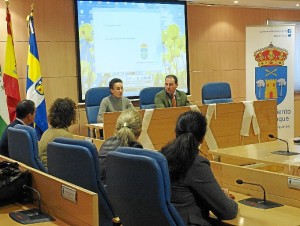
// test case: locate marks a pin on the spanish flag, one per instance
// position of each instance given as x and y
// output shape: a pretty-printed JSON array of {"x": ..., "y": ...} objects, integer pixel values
[
  {"x": 10, "y": 76},
  {"x": 34, "y": 84}
]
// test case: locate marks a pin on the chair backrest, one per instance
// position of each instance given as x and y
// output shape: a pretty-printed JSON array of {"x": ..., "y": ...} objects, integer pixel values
[
  {"x": 147, "y": 96},
  {"x": 216, "y": 92},
  {"x": 77, "y": 162},
  {"x": 93, "y": 98},
  {"x": 23, "y": 146},
  {"x": 138, "y": 186}
]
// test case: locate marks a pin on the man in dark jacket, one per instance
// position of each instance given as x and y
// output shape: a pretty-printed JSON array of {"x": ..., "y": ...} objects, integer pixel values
[{"x": 25, "y": 113}]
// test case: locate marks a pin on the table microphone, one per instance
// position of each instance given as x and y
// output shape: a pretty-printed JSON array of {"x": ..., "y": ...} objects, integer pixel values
[
  {"x": 287, "y": 152},
  {"x": 287, "y": 144},
  {"x": 31, "y": 216},
  {"x": 257, "y": 203},
  {"x": 243, "y": 182},
  {"x": 38, "y": 195}
]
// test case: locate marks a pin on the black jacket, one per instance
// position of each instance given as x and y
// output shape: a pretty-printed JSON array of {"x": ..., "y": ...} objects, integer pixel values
[{"x": 198, "y": 193}]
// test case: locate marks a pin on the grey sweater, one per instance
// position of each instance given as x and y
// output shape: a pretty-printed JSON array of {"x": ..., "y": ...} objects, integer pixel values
[{"x": 111, "y": 104}]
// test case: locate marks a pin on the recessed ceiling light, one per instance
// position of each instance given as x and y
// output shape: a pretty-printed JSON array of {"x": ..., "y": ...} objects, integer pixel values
[
  {"x": 297, "y": 5},
  {"x": 236, "y": 2}
]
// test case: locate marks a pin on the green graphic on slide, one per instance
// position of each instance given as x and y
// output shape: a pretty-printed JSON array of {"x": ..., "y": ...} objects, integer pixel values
[{"x": 174, "y": 53}]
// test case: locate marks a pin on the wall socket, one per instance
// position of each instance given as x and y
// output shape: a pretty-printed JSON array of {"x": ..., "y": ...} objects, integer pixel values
[{"x": 293, "y": 183}]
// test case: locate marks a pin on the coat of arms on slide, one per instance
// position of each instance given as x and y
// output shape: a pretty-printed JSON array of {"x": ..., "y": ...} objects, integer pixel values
[{"x": 271, "y": 75}]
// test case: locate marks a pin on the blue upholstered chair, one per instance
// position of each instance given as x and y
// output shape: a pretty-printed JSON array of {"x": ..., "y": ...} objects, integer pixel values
[
  {"x": 138, "y": 186},
  {"x": 216, "y": 92},
  {"x": 147, "y": 96},
  {"x": 93, "y": 98},
  {"x": 77, "y": 162},
  {"x": 23, "y": 146}
]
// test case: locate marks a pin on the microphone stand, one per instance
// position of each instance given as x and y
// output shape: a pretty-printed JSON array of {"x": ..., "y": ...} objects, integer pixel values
[
  {"x": 31, "y": 216},
  {"x": 255, "y": 202},
  {"x": 281, "y": 152}
]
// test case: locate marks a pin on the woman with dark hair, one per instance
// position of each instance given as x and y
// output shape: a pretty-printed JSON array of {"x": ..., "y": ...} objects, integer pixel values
[
  {"x": 114, "y": 102},
  {"x": 62, "y": 115},
  {"x": 194, "y": 189}
]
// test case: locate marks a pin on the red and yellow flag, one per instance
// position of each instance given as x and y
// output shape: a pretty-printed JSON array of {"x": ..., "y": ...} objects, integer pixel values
[{"x": 10, "y": 76}]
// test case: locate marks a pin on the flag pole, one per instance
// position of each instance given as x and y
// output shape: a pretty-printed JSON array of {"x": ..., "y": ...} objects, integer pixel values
[
  {"x": 32, "y": 6},
  {"x": 31, "y": 12},
  {"x": 7, "y": 3}
]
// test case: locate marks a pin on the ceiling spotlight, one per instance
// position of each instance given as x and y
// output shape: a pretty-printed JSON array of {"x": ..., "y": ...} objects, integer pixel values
[
  {"x": 235, "y": 2},
  {"x": 297, "y": 4}
]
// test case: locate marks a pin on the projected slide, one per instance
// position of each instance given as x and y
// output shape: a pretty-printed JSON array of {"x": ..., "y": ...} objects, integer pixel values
[
  {"x": 117, "y": 39},
  {"x": 138, "y": 42}
]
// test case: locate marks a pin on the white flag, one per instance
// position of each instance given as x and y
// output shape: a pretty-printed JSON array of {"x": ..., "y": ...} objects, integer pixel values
[{"x": 4, "y": 117}]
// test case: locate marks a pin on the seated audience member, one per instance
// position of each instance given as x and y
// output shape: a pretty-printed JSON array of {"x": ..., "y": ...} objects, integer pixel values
[
  {"x": 115, "y": 101},
  {"x": 128, "y": 129},
  {"x": 194, "y": 189},
  {"x": 25, "y": 113},
  {"x": 170, "y": 96},
  {"x": 62, "y": 114}
]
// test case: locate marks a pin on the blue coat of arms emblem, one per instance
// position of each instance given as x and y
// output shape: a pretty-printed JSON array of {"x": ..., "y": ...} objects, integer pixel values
[{"x": 271, "y": 75}]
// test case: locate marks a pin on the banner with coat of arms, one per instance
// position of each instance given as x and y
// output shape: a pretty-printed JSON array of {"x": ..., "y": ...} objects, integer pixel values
[{"x": 270, "y": 71}]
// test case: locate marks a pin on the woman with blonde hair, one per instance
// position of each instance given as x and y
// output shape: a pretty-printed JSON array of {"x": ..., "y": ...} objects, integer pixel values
[{"x": 128, "y": 130}]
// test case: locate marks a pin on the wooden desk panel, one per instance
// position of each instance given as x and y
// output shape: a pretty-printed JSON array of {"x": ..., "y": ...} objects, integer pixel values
[
  {"x": 276, "y": 188},
  {"x": 82, "y": 213},
  {"x": 225, "y": 126},
  {"x": 275, "y": 184}
]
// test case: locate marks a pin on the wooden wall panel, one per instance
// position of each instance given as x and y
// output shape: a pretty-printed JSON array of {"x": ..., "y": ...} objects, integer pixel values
[
  {"x": 55, "y": 33},
  {"x": 216, "y": 43},
  {"x": 58, "y": 59}
]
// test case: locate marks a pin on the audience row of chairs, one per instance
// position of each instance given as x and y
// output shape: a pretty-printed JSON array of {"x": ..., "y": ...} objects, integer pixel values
[
  {"x": 138, "y": 183},
  {"x": 213, "y": 92}
]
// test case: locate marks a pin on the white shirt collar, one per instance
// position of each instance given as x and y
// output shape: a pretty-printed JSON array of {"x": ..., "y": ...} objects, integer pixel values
[{"x": 21, "y": 121}]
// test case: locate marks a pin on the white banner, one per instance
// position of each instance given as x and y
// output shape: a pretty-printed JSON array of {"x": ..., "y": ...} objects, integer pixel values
[{"x": 270, "y": 71}]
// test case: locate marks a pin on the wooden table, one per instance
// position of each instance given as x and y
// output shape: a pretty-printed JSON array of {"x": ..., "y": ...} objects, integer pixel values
[
  {"x": 279, "y": 216},
  {"x": 6, "y": 220},
  {"x": 262, "y": 153},
  {"x": 95, "y": 128}
]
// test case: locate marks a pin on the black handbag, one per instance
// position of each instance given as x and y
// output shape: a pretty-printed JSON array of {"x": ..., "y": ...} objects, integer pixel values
[{"x": 12, "y": 180}]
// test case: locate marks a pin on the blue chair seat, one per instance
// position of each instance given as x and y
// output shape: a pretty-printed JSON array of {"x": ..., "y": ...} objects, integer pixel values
[
  {"x": 23, "y": 146},
  {"x": 138, "y": 186}
]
